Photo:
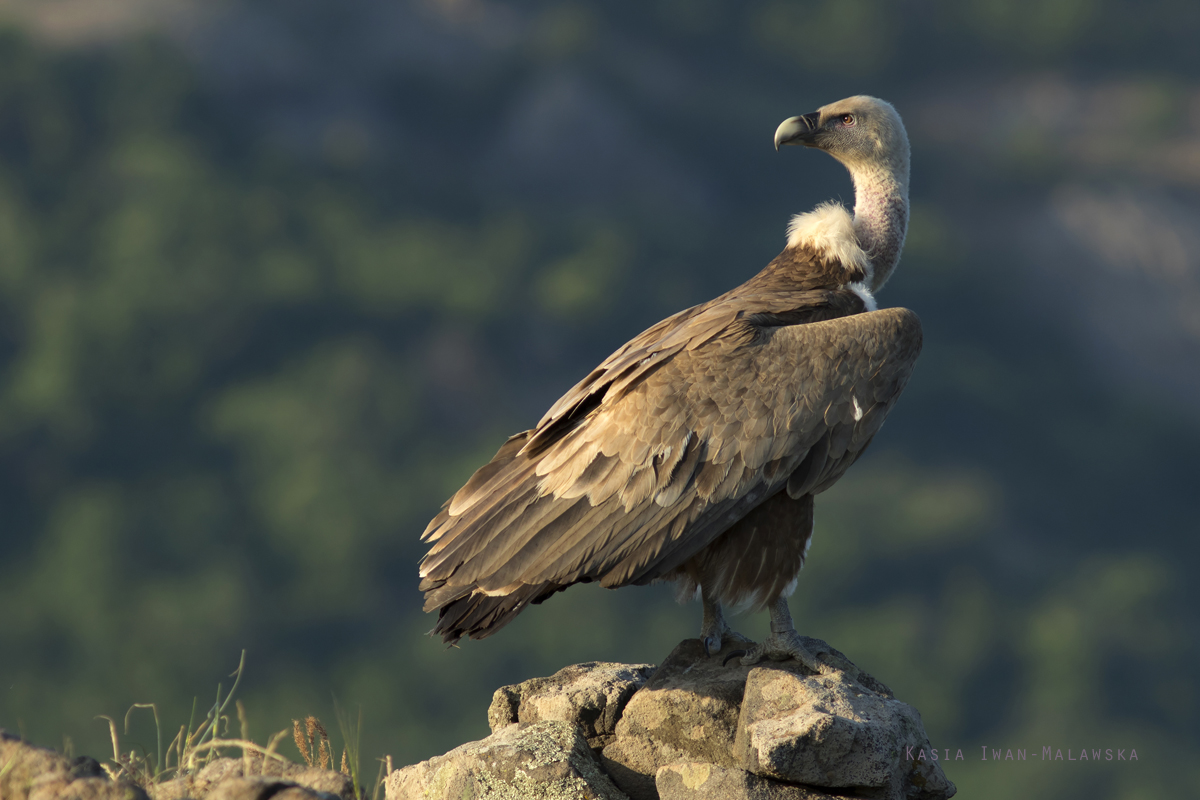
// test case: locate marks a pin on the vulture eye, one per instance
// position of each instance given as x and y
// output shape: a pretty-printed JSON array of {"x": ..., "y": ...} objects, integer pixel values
[{"x": 847, "y": 119}]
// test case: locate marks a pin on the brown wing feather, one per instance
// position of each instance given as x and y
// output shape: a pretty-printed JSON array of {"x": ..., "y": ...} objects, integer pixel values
[{"x": 674, "y": 438}]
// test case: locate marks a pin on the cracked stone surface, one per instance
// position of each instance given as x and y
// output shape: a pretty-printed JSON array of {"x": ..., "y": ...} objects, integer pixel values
[
  {"x": 699, "y": 781},
  {"x": 547, "y": 760},
  {"x": 591, "y": 696},
  {"x": 687, "y": 711},
  {"x": 835, "y": 731}
]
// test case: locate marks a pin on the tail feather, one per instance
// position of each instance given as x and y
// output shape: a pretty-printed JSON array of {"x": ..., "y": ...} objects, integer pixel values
[{"x": 477, "y": 615}]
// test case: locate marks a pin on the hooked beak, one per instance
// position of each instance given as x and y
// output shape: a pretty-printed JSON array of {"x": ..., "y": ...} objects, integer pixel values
[{"x": 797, "y": 130}]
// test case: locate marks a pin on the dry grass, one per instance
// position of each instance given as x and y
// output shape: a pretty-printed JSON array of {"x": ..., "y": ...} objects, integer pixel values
[
  {"x": 313, "y": 743},
  {"x": 4, "y": 770},
  {"x": 193, "y": 748}
]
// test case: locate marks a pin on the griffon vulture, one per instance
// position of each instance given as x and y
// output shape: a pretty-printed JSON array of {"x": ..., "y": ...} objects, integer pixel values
[{"x": 693, "y": 453}]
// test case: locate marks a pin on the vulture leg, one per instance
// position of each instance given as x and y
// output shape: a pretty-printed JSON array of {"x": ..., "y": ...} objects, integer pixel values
[
  {"x": 714, "y": 631},
  {"x": 784, "y": 642}
]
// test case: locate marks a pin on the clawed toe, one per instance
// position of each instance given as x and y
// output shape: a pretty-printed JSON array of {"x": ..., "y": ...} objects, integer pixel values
[
  {"x": 753, "y": 655},
  {"x": 714, "y": 642},
  {"x": 732, "y": 655},
  {"x": 742, "y": 639}
]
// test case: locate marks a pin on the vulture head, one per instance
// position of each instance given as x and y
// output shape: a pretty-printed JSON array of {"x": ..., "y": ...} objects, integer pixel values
[
  {"x": 864, "y": 133},
  {"x": 867, "y": 136}
]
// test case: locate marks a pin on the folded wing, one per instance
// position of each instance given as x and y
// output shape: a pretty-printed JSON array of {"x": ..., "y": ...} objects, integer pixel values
[{"x": 664, "y": 446}]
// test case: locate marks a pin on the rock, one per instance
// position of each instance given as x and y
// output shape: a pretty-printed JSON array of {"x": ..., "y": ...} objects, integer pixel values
[
  {"x": 695, "y": 710},
  {"x": 840, "y": 730},
  {"x": 176, "y": 789},
  {"x": 279, "y": 775},
  {"x": 36, "y": 773},
  {"x": 699, "y": 781},
  {"x": 220, "y": 769},
  {"x": 547, "y": 760},
  {"x": 87, "y": 767},
  {"x": 687, "y": 711},
  {"x": 590, "y": 696},
  {"x": 84, "y": 789},
  {"x": 325, "y": 781},
  {"x": 256, "y": 788},
  {"x": 21, "y": 763}
]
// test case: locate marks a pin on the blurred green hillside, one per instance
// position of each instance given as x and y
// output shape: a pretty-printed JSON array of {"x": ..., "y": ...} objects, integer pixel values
[{"x": 275, "y": 277}]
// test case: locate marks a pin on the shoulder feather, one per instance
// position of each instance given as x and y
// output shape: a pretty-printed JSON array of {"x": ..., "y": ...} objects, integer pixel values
[{"x": 828, "y": 231}]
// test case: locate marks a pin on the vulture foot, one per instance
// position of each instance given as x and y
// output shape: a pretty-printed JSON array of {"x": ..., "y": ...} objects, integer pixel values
[
  {"x": 784, "y": 643},
  {"x": 781, "y": 647},
  {"x": 715, "y": 632}
]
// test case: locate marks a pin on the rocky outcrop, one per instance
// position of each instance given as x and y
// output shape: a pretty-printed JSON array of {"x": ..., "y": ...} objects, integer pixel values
[
  {"x": 35, "y": 773},
  {"x": 695, "y": 728}
]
